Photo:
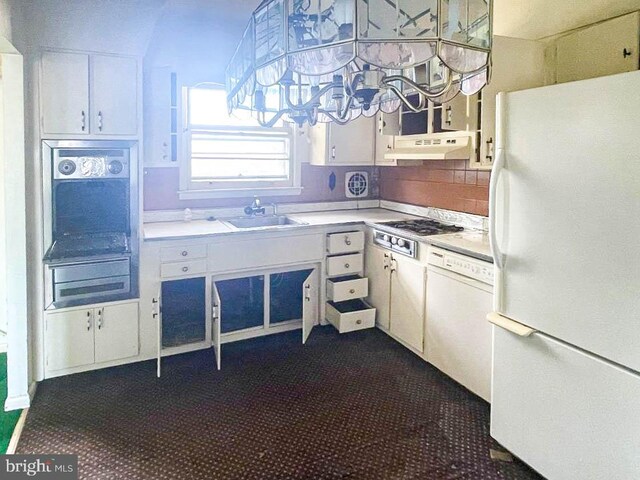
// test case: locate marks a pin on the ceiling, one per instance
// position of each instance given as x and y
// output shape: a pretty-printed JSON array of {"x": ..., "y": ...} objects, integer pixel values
[{"x": 531, "y": 19}]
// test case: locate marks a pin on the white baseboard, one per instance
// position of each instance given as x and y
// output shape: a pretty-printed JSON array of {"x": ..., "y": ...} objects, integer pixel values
[
  {"x": 15, "y": 436},
  {"x": 17, "y": 403}
]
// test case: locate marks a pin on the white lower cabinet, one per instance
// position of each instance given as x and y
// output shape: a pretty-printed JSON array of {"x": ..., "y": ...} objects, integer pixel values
[
  {"x": 397, "y": 288},
  {"x": 116, "y": 332},
  {"x": 81, "y": 337}
]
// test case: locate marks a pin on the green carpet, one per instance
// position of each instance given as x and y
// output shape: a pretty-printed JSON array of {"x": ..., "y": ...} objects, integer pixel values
[{"x": 8, "y": 420}]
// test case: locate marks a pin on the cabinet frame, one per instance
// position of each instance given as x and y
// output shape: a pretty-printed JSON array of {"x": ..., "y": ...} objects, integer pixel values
[
  {"x": 266, "y": 328},
  {"x": 94, "y": 364},
  {"x": 90, "y": 133}
]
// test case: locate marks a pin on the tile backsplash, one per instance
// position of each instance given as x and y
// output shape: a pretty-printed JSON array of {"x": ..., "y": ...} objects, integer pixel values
[{"x": 446, "y": 184}]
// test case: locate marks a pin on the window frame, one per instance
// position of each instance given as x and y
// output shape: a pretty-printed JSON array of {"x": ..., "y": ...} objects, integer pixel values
[{"x": 202, "y": 189}]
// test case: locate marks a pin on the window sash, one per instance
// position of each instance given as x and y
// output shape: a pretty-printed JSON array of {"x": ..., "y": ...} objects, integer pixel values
[{"x": 281, "y": 152}]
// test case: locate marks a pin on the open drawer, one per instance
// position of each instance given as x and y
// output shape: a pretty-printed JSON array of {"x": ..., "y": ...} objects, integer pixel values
[
  {"x": 349, "y": 287},
  {"x": 351, "y": 315}
]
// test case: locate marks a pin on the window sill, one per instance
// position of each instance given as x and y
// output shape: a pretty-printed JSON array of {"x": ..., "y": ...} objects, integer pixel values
[{"x": 235, "y": 193}]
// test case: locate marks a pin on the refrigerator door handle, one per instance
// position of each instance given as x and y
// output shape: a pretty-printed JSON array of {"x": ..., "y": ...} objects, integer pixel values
[
  {"x": 498, "y": 166},
  {"x": 510, "y": 325}
]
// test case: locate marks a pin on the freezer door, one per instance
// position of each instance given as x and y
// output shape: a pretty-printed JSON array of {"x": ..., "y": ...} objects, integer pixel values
[
  {"x": 566, "y": 210},
  {"x": 568, "y": 414}
]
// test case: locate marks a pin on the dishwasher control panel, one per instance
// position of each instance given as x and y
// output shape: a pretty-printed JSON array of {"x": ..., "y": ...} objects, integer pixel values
[{"x": 461, "y": 264}]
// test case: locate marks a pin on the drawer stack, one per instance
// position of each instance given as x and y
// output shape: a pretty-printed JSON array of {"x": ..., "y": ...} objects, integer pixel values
[
  {"x": 183, "y": 261},
  {"x": 346, "y": 287}
]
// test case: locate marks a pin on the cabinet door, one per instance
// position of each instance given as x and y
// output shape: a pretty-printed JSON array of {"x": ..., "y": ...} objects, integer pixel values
[
  {"x": 388, "y": 125},
  {"x": 116, "y": 332},
  {"x": 311, "y": 295},
  {"x": 216, "y": 308},
  {"x": 69, "y": 339},
  {"x": 460, "y": 114},
  {"x": 377, "y": 261},
  {"x": 407, "y": 312},
  {"x": 64, "y": 93},
  {"x": 353, "y": 143},
  {"x": 604, "y": 49},
  {"x": 114, "y": 93}
]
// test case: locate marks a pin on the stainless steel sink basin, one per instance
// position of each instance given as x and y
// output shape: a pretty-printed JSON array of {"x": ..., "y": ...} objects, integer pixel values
[{"x": 261, "y": 221}]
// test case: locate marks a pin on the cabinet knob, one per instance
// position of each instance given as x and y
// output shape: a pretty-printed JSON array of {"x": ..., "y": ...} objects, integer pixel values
[
  {"x": 358, "y": 322},
  {"x": 185, "y": 269},
  {"x": 626, "y": 53},
  {"x": 184, "y": 253},
  {"x": 346, "y": 265},
  {"x": 352, "y": 291}
]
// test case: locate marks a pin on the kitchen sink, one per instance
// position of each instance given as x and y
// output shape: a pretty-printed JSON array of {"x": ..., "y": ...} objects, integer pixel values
[{"x": 262, "y": 221}]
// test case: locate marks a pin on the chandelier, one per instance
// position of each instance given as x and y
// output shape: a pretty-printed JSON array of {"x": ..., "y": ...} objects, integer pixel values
[{"x": 310, "y": 61}]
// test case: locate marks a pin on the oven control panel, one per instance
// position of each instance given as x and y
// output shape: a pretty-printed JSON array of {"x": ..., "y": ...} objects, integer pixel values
[
  {"x": 395, "y": 243},
  {"x": 79, "y": 164}
]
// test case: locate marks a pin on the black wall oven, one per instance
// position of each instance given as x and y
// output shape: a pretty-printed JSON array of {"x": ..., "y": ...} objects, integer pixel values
[{"x": 91, "y": 221}]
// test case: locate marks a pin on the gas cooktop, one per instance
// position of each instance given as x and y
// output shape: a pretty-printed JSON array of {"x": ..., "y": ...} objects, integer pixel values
[{"x": 422, "y": 227}]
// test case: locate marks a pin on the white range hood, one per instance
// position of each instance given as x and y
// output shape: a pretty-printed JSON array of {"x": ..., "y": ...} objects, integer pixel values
[{"x": 439, "y": 146}]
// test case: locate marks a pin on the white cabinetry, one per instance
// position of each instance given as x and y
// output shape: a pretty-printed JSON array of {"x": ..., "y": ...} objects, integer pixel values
[
  {"x": 606, "y": 48},
  {"x": 517, "y": 65},
  {"x": 88, "y": 94},
  {"x": 350, "y": 144},
  {"x": 346, "y": 310},
  {"x": 64, "y": 93},
  {"x": 81, "y": 337},
  {"x": 114, "y": 95},
  {"x": 397, "y": 290},
  {"x": 387, "y": 126}
]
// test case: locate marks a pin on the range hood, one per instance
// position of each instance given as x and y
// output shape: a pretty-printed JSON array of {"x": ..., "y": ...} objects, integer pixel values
[{"x": 435, "y": 146}]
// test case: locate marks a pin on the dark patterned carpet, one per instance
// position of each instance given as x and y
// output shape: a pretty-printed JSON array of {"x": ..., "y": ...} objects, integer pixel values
[{"x": 356, "y": 406}]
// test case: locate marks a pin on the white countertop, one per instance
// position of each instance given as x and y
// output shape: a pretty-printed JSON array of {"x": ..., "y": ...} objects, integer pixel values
[
  {"x": 472, "y": 242},
  {"x": 370, "y": 215}
]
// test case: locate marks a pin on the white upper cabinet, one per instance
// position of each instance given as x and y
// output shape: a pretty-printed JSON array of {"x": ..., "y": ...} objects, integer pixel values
[
  {"x": 114, "y": 95},
  {"x": 604, "y": 49},
  {"x": 350, "y": 144},
  {"x": 64, "y": 90},
  {"x": 86, "y": 94},
  {"x": 517, "y": 65}
]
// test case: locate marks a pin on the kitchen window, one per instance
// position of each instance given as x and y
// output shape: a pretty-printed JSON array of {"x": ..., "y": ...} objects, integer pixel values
[{"x": 229, "y": 156}]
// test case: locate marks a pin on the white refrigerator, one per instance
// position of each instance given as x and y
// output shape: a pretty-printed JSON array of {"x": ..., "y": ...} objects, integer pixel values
[{"x": 565, "y": 234}]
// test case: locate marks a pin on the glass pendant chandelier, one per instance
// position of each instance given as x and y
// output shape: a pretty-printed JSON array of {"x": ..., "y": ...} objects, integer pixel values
[{"x": 310, "y": 61}]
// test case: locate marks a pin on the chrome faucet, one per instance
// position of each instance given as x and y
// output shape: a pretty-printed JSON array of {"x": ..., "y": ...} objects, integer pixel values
[{"x": 255, "y": 208}]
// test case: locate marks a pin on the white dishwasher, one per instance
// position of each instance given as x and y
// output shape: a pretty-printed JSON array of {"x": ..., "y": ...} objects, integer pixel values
[{"x": 459, "y": 337}]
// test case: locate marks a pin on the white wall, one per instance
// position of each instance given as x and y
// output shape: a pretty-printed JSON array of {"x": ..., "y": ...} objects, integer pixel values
[{"x": 197, "y": 46}]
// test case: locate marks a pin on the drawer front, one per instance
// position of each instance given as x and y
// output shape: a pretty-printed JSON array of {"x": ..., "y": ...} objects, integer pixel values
[
  {"x": 344, "y": 264},
  {"x": 345, "y": 242},
  {"x": 351, "y": 321},
  {"x": 176, "y": 254},
  {"x": 180, "y": 269},
  {"x": 339, "y": 291}
]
